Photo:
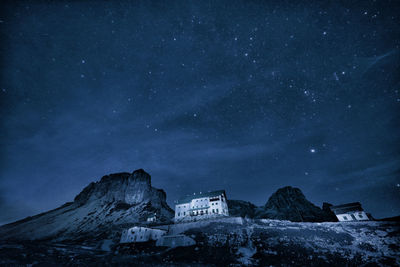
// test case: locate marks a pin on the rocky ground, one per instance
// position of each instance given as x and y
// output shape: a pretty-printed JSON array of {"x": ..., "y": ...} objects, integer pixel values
[{"x": 227, "y": 242}]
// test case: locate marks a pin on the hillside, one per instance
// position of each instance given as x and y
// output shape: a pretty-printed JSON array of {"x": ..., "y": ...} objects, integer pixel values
[{"x": 99, "y": 212}]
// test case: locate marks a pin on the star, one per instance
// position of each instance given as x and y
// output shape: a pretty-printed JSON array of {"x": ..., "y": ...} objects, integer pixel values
[{"x": 312, "y": 150}]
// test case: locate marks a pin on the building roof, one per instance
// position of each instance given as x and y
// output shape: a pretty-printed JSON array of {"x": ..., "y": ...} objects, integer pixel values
[
  {"x": 340, "y": 209},
  {"x": 187, "y": 199}
]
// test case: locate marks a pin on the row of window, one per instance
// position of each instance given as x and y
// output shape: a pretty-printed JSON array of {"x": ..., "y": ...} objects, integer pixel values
[
  {"x": 359, "y": 216},
  {"x": 201, "y": 212},
  {"x": 201, "y": 206},
  {"x": 204, "y": 199}
]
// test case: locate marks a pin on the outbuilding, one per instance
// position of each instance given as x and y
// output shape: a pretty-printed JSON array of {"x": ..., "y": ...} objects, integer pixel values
[
  {"x": 350, "y": 212},
  {"x": 141, "y": 234}
]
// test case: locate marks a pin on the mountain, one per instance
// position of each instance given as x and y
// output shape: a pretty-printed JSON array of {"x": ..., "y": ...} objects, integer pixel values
[
  {"x": 86, "y": 232},
  {"x": 241, "y": 208},
  {"x": 286, "y": 203},
  {"x": 99, "y": 212},
  {"x": 289, "y": 203}
]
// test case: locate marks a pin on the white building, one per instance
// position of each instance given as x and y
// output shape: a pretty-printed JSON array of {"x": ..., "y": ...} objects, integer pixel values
[
  {"x": 152, "y": 218},
  {"x": 350, "y": 212},
  {"x": 201, "y": 206},
  {"x": 141, "y": 234}
]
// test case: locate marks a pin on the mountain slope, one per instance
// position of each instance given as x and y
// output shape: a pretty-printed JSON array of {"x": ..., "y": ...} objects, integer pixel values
[
  {"x": 99, "y": 212},
  {"x": 286, "y": 203},
  {"x": 289, "y": 203},
  {"x": 241, "y": 208}
]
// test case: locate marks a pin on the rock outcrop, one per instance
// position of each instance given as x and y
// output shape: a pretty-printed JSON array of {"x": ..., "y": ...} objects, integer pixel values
[
  {"x": 99, "y": 212},
  {"x": 240, "y": 208},
  {"x": 286, "y": 203},
  {"x": 289, "y": 203}
]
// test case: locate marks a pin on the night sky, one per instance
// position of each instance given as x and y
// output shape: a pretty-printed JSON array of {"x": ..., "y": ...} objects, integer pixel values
[{"x": 246, "y": 96}]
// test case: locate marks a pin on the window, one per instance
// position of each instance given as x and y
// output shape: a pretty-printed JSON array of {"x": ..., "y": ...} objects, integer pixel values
[
  {"x": 213, "y": 211},
  {"x": 184, "y": 213},
  {"x": 359, "y": 215},
  {"x": 179, "y": 214},
  {"x": 345, "y": 217},
  {"x": 217, "y": 210}
]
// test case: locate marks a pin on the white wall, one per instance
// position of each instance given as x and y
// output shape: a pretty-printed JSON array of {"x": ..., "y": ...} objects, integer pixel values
[
  {"x": 141, "y": 234},
  {"x": 346, "y": 217},
  {"x": 202, "y": 204},
  {"x": 182, "y": 210}
]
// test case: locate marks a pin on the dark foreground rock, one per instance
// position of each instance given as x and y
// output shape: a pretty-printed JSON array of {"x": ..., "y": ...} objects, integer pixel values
[{"x": 232, "y": 242}]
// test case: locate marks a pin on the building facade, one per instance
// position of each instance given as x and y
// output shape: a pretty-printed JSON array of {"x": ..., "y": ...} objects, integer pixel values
[
  {"x": 350, "y": 212},
  {"x": 141, "y": 234},
  {"x": 201, "y": 206},
  {"x": 152, "y": 218}
]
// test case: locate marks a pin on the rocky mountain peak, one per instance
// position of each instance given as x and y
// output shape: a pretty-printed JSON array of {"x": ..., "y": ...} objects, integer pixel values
[
  {"x": 101, "y": 210},
  {"x": 286, "y": 196},
  {"x": 130, "y": 188},
  {"x": 141, "y": 174},
  {"x": 289, "y": 203}
]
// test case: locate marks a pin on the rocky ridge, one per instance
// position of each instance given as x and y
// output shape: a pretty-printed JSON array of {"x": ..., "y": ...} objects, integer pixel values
[
  {"x": 99, "y": 212},
  {"x": 287, "y": 203}
]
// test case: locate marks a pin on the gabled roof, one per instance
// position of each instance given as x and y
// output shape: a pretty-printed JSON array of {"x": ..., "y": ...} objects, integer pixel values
[
  {"x": 187, "y": 199},
  {"x": 340, "y": 209}
]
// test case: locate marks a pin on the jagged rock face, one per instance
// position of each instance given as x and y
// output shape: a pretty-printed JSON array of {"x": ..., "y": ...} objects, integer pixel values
[
  {"x": 289, "y": 203},
  {"x": 124, "y": 187},
  {"x": 241, "y": 208},
  {"x": 100, "y": 211},
  {"x": 286, "y": 203},
  {"x": 330, "y": 216}
]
